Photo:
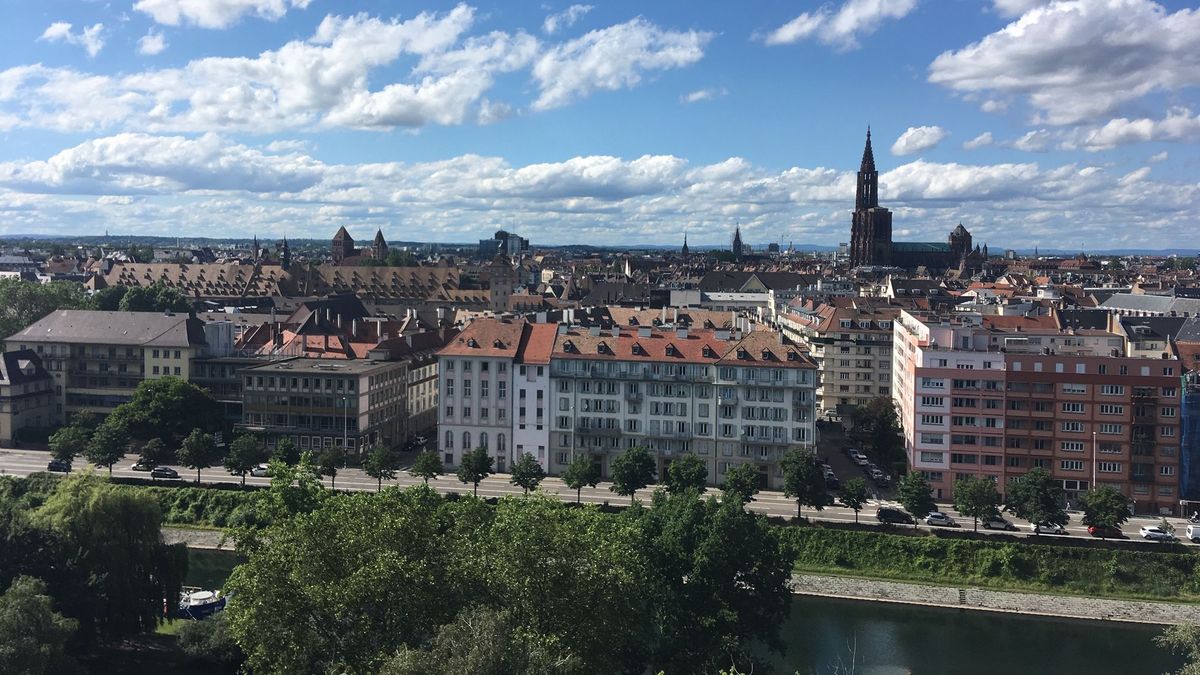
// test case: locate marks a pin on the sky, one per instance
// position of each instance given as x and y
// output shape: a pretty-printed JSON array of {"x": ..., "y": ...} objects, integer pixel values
[{"x": 1064, "y": 124}]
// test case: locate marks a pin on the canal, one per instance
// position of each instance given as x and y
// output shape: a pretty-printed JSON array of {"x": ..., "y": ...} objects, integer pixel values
[{"x": 824, "y": 636}]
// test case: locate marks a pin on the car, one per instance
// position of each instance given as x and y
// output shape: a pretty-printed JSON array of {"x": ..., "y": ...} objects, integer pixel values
[
  {"x": 141, "y": 466},
  {"x": 876, "y": 475},
  {"x": 1047, "y": 528},
  {"x": 890, "y": 516},
  {"x": 832, "y": 482},
  {"x": 1105, "y": 531},
  {"x": 940, "y": 519},
  {"x": 1155, "y": 533},
  {"x": 261, "y": 471},
  {"x": 163, "y": 472},
  {"x": 59, "y": 466},
  {"x": 1193, "y": 533},
  {"x": 998, "y": 523}
]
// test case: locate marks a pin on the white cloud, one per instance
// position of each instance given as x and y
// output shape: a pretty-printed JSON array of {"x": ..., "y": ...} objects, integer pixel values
[
  {"x": 1017, "y": 7},
  {"x": 843, "y": 27},
  {"x": 211, "y": 186},
  {"x": 979, "y": 141},
  {"x": 917, "y": 139},
  {"x": 1158, "y": 157},
  {"x": 1078, "y": 61},
  {"x": 1038, "y": 140},
  {"x": 564, "y": 19},
  {"x": 612, "y": 58},
  {"x": 91, "y": 38},
  {"x": 152, "y": 43},
  {"x": 1178, "y": 126},
  {"x": 703, "y": 95},
  {"x": 215, "y": 13}
]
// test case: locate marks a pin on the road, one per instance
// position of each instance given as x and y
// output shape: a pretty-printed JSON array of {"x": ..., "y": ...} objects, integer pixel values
[{"x": 25, "y": 462}]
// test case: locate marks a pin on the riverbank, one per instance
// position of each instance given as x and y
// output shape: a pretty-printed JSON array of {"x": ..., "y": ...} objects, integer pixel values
[{"x": 979, "y": 599}]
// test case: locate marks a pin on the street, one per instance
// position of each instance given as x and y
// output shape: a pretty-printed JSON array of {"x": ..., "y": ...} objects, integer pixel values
[{"x": 25, "y": 462}]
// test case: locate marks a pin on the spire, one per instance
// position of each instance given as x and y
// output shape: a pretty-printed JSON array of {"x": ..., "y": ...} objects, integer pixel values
[
  {"x": 868, "y": 159},
  {"x": 285, "y": 260},
  {"x": 685, "y": 246}
]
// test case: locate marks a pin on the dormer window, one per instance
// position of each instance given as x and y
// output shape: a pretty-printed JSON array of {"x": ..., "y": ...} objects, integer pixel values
[
  {"x": 602, "y": 348},
  {"x": 498, "y": 344},
  {"x": 709, "y": 353},
  {"x": 638, "y": 349},
  {"x": 569, "y": 347},
  {"x": 671, "y": 350},
  {"x": 472, "y": 343},
  {"x": 767, "y": 355},
  {"x": 633, "y": 321},
  {"x": 792, "y": 356},
  {"x": 742, "y": 354}
]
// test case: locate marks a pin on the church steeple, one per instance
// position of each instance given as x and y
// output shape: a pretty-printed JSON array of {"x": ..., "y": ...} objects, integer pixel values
[
  {"x": 285, "y": 260},
  {"x": 685, "y": 250},
  {"x": 737, "y": 242},
  {"x": 867, "y": 196}
]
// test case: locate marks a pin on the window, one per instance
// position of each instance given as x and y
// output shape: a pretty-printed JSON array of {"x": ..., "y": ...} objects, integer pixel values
[
  {"x": 449, "y": 441},
  {"x": 1112, "y": 389},
  {"x": 931, "y": 383},
  {"x": 1074, "y": 389},
  {"x": 933, "y": 439},
  {"x": 1166, "y": 470},
  {"x": 1013, "y": 461},
  {"x": 1071, "y": 465},
  {"x": 1109, "y": 467},
  {"x": 933, "y": 457},
  {"x": 961, "y": 458},
  {"x": 1110, "y": 428},
  {"x": 1072, "y": 407},
  {"x": 1072, "y": 446},
  {"x": 1072, "y": 427},
  {"x": 935, "y": 420},
  {"x": 1166, "y": 432},
  {"x": 933, "y": 401},
  {"x": 1109, "y": 409},
  {"x": 1167, "y": 412}
]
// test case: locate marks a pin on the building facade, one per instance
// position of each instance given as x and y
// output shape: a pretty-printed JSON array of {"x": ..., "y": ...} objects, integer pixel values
[
  {"x": 26, "y": 394},
  {"x": 980, "y": 400}
]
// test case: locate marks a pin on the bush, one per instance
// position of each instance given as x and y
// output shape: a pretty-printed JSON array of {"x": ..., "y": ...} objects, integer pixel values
[{"x": 209, "y": 640}]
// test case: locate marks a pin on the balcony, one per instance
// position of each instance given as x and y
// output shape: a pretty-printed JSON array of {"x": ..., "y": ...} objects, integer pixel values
[
  {"x": 727, "y": 397},
  {"x": 633, "y": 396},
  {"x": 763, "y": 440},
  {"x": 597, "y": 431}
]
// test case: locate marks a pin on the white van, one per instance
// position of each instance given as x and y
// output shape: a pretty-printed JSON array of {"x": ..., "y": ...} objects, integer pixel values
[{"x": 1193, "y": 533}]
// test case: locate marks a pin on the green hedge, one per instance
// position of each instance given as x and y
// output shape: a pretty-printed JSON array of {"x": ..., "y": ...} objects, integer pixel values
[
  {"x": 1011, "y": 565},
  {"x": 198, "y": 505}
]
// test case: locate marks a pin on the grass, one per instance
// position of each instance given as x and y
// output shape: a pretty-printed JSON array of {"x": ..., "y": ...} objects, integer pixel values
[{"x": 1012, "y": 566}]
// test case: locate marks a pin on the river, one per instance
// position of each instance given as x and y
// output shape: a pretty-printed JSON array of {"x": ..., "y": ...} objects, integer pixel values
[{"x": 892, "y": 639}]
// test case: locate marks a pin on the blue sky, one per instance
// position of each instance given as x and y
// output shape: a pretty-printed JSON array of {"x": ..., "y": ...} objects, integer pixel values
[{"x": 1058, "y": 124}]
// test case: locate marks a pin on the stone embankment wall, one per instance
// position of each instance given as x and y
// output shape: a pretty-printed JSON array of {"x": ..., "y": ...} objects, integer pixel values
[{"x": 996, "y": 601}]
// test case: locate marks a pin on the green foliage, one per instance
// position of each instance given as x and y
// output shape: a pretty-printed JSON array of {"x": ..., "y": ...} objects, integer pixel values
[
  {"x": 582, "y": 471},
  {"x": 169, "y": 408},
  {"x": 1013, "y": 565},
  {"x": 632, "y": 471},
  {"x": 210, "y": 640},
  {"x": 854, "y": 495},
  {"x": 69, "y": 442},
  {"x": 875, "y": 427},
  {"x": 395, "y": 258},
  {"x": 286, "y": 452},
  {"x": 24, "y": 302},
  {"x": 688, "y": 472},
  {"x": 475, "y": 466},
  {"x": 1182, "y": 639},
  {"x": 109, "y": 299},
  {"x": 107, "y": 446},
  {"x": 741, "y": 483},
  {"x": 328, "y": 463},
  {"x": 381, "y": 462},
  {"x": 527, "y": 473},
  {"x": 153, "y": 298},
  {"x": 427, "y": 465},
  {"x": 803, "y": 480},
  {"x": 916, "y": 495},
  {"x": 976, "y": 498},
  {"x": 245, "y": 452},
  {"x": 33, "y": 637},
  {"x": 1104, "y": 507},
  {"x": 1038, "y": 498},
  {"x": 153, "y": 453},
  {"x": 198, "y": 451}
]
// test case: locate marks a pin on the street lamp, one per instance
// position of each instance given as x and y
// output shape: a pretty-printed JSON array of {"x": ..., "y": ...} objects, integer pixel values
[
  {"x": 345, "y": 421},
  {"x": 1093, "y": 460}
]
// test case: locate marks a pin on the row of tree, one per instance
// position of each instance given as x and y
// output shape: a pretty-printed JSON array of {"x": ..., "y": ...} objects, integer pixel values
[{"x": 24, "y": 302}]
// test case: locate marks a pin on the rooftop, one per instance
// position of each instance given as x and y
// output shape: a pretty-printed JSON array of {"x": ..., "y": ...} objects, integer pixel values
[{"x": 143, "y": 329}]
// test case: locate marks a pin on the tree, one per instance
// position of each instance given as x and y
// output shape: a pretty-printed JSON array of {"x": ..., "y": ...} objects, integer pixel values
[
  {"x": 1182, "y": 639},
  {"x": 1104, "y": 507},
  {"x": 1038, "y": 498},
  {"x": 854, "y": 495},
  {"x": 69, "y": 442},
  {"x": 803, "y": 480},
  {"x": 168, "y": 408},
  {"x": 426, "y": 465},
  {"x": 875, "y": 427},
  {"x": 209, "y": 640},
  {"x": 475, "y": 466},
  {"x": 107, "y": 445},
  {"x": 153, "y": 453},
  {"x": 198, "y": 451},
  {"x": 527, "y": 473},
  {"x": 741, "y": 483},
  {"x": 153, "y": 298},
  {"x": 688, "y": 472},
  {"x": 33, "y": 637},
  {"x": 381, "y": 462},
  {"x": 245, "y": 453},
  {"x": 286, "y": 452},
  {"x": 632, "y": 471},
  {"x": 976, "y": 498},
  {"x": 109, "y": 299},
  {"x": 582, "y": 471},
  {"x": 23, "y": 303},
  {"x": 916, "y": 496},
  {"x": 329, "y": 461}
]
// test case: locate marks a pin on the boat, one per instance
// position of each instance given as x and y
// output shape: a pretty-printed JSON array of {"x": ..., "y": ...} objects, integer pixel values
[{"x": 200, "y": 604}]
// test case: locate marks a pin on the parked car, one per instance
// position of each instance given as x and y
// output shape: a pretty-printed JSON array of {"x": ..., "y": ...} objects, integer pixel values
[
  {"x": 859, "y": 458},
  {"x": 890, "y": 516},
  {"x": 940, "y": 519},
  {"x": 59, "y": 466},
  {"x": 141, "y": 466},
  {"x": 1155, "y": 533},
  {"x": 163, "y": 472},
  {"x": 1105, "y": 532},
  {"x": 1193, "y": 533},
  {"x": 831, "y": 481},
  {"x": 876, "y": 475},
  {"x": 1047, "y": 528},
  {"x": 998, "y": 523},
  {"x": 261, "y": 471}
]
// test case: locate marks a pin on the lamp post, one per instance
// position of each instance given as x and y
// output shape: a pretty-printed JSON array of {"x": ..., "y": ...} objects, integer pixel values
[
  {"x": 1093, "y": 460},
  {"x": 345, "y": 421}
]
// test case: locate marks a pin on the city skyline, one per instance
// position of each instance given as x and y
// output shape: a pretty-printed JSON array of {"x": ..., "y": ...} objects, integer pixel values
[{"x": 601, "y": 125}]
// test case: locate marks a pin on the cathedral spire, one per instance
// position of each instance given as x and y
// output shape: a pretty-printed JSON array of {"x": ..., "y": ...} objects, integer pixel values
[
  {"x": 868, "y": 159},
  {"x": 867, "y": 196}
]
